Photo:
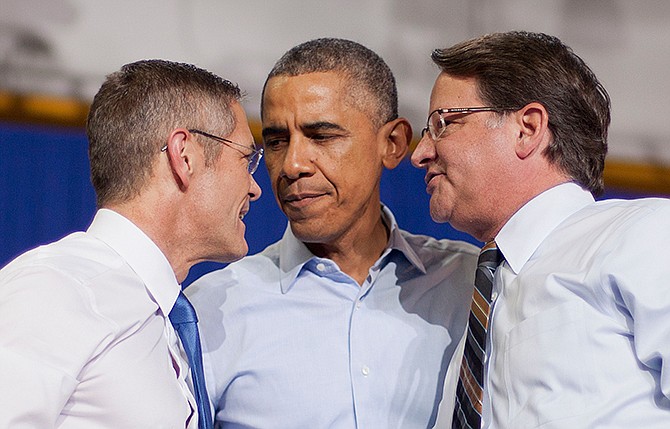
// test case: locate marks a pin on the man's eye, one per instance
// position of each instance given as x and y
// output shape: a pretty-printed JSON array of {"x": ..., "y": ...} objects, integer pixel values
[
  {"x": 322, "y": 137},
  {"x": 443, "y": 123},
  {"x": 274, "y": 143}
]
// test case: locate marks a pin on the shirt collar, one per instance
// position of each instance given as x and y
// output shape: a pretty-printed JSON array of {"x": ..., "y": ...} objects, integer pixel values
[
  {"x": 140, "y": 253},
  {"x": 293, "y": 254},
  {"x": 398, "y": 242},
  {"x": 531, "y": 224}
]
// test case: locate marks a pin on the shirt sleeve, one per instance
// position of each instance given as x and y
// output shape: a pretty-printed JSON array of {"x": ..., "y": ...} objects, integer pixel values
[
  {"x": 48, "y": 332},
  {"x": 640, "y": 268}
]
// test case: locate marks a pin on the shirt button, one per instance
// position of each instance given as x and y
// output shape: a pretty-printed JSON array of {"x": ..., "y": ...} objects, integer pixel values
[
  {"x": 365, "y": 370},
  {"x": 320, "y": 266},
  {"x": 494, "y": 296},
  {"x": 358, "y": 304}
]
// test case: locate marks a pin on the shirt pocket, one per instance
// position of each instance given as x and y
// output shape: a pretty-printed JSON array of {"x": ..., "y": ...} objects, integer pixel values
[{"x": 548, "y": 367}]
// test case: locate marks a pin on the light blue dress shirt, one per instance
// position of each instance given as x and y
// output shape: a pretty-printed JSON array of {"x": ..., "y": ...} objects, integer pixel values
[
  {"x": 580, "y": 327},
  {"x": 290, "y": 341}
]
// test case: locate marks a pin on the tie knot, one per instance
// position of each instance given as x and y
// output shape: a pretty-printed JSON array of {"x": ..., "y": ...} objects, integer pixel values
[
  {"x": 490, "y": 256},
  {"x": 183, "y": 311}
]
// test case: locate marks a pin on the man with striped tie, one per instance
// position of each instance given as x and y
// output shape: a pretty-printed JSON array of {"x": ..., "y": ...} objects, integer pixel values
[{"x": 570, "y": 317}]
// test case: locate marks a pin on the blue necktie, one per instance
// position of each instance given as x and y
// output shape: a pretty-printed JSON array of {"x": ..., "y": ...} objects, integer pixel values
[{"x": 185, "y": 322}]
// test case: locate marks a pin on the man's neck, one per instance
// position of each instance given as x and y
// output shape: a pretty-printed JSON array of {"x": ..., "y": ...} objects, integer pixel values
[
  {"x": 357, "y": 251},
  {"x": 164, "y": 231}
]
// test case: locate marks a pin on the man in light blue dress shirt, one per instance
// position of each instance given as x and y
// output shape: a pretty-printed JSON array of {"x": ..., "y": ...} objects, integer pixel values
[
  {"x": 579, "y": 326},
  {"x": 348, "y": 321}
]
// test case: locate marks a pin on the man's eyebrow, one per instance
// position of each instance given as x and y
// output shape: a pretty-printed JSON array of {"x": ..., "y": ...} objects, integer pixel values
[
  {"x": 270, "y": 131},
  {"x": 310, "y": 126},
  {"x": 323, "y": 125}
]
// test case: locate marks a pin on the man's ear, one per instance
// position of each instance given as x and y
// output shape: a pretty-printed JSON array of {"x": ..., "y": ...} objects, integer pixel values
[
  {"x": 397, "y": 135},
  {"x": 179, "y": 157},
  {"x": 534, "y": 134}
]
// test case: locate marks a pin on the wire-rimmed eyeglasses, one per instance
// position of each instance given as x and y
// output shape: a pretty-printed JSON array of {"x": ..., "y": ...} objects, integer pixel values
[
  {"x": 437, "y": 123},
  {"x": 254, "y": 158}
]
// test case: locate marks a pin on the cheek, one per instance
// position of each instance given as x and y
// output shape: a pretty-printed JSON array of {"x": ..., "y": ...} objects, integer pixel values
[
  {"x": 352, "y": 178},
  {"x": 468, "y": 162},
  {"x": 233, "y": 186}
]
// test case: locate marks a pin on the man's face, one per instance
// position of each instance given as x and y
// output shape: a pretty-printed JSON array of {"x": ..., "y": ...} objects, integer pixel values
[
  {"x": 224, "y": 192},
  {"x": 465, "y": 166},
  {"x": 323, "y": 155}
]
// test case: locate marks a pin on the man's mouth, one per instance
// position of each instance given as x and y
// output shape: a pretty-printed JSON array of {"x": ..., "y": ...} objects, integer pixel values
[
  {"x": 297, "y": 197},
  {"x": 429, "y": 176}
]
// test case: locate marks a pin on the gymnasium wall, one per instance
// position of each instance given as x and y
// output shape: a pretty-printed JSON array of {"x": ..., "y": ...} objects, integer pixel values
[{"x": 46, "y": 193}]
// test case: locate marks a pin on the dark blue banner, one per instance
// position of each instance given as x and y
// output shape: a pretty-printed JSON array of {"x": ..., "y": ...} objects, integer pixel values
[{"x": 46, "y": 193}]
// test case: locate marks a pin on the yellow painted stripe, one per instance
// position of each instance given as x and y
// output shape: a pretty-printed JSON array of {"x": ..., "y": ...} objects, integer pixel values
[
  {"x": 43, "y": 109},
  {"x": 649, "y": 178}
]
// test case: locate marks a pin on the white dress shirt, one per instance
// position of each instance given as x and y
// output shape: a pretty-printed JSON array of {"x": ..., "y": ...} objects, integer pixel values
[
  {"x": 290, "y": 341},
  {"x": 85, "y": 339},
  {"x": 580, "y": 328}
]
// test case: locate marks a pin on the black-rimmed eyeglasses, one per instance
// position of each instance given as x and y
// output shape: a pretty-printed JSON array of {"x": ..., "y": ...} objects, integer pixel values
[
  {"x": 437, "y": 122},
  {"x": 254, "y": 157}
]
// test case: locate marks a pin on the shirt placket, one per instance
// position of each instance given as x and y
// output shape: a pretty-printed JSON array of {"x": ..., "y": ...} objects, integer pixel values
[
  {"x": 361, "y": 369},
  {"x": 182, "y": 371},
  {"x": 489, "y": 358}
]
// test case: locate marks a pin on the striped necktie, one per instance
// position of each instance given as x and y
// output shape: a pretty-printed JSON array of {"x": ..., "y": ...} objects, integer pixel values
[
  {"x": 185, "y": 322},
  {"x": 469, "y": 393}
]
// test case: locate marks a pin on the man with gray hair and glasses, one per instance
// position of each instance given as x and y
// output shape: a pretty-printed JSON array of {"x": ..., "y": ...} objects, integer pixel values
[{"x": 86, "y": 323}]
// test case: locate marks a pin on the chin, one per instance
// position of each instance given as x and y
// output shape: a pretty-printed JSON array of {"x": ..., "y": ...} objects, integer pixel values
[
  {"x": 234, "y": 253},
  {"x": 241, "y": 253},
  {"x": 439, "y": 216},
  {"x": 310, "y": 232}
]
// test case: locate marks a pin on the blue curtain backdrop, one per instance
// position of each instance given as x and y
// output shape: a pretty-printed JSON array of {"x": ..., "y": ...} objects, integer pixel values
[{"x": 46, "y": 193}]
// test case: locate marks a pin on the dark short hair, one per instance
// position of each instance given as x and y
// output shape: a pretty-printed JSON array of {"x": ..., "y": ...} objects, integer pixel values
[
  {"x": 373, "y": 86},
  {"x": 134, "y": 112},
  {"x": 516, "y": 68}
]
